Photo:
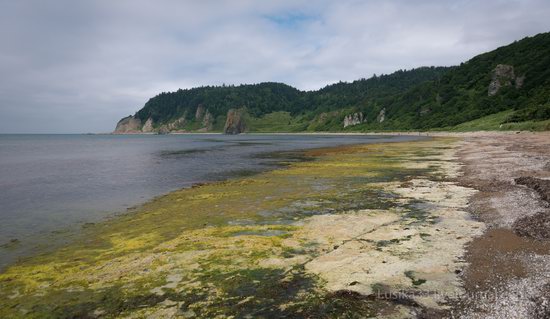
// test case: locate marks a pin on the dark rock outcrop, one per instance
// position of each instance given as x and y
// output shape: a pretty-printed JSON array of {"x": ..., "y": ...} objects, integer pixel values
[{"x": 235, "y": 123}]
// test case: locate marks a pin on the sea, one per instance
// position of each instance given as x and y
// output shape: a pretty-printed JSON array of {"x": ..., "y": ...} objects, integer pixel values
[{"x": 51, "y": 185}]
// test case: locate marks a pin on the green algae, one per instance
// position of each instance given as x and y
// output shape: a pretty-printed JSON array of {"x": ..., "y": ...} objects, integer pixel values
[
  {"x": 415, "y": 281},
  {"x": 120, "y": 267}
]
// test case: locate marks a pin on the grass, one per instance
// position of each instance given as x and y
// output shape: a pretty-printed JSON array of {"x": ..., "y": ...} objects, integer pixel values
[
  {"x": 527, "y": 126},
  {"x": 415, "y": 281},
  {"x": 487, "y": 123},
  {"x": 284, "y": 122},
  {"x": 275, "y": 122},
  {"x": 496, "y": 122}
]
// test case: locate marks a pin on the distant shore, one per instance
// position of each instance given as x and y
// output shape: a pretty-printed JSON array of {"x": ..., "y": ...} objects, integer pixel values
[{"x": 396, "y": 133}]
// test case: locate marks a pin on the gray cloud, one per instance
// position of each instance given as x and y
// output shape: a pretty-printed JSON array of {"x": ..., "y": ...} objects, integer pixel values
[{"x": 78, "y": 66}]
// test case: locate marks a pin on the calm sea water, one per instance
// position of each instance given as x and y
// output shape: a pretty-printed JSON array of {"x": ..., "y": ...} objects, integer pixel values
[{"x": 51, "y": 183}]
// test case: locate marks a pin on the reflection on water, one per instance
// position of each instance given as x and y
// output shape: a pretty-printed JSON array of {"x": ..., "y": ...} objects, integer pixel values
[{"x": 52, "y": 182}]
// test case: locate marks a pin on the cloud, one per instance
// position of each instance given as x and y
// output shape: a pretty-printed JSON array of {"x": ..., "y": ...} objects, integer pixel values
[{"x": 78, "y": 66}]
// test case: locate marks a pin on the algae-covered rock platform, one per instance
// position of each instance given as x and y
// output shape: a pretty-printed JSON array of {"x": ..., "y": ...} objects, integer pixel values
[{"x": 358, "y": 231}]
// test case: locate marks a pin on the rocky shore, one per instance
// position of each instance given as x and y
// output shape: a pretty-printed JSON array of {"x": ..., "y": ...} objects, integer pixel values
[
  {"x": 450, "y": 227},
  {"x": 509, "y": 265}
]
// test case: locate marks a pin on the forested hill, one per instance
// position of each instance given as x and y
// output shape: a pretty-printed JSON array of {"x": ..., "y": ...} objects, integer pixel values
[{"x": 512, "y": 82}]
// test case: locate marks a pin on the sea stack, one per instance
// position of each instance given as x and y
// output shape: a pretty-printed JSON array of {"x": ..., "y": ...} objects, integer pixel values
[{"x": 235, "y": 123}]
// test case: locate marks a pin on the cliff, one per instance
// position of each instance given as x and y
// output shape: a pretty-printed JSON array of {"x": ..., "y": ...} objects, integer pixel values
[
  {"x": 128, "y": 125},
  {"x": 235, "y": 123}
]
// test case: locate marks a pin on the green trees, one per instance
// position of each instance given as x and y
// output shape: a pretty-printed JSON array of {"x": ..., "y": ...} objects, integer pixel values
[
  {"x": 257, "y": 98},
  {"x": 422, "y": 98}
]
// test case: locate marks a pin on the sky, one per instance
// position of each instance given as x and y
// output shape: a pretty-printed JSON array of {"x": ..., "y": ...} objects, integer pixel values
[{"x": 79, "y": 66}]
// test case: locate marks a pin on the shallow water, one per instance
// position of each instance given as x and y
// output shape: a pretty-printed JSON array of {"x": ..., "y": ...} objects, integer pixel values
[
  {"x": 267, "y": 245},
  {"x": 52, "y": 182}
]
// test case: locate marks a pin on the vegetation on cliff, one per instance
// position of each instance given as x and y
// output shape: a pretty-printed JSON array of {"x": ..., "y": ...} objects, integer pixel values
[{"x": 515, "y": 77}]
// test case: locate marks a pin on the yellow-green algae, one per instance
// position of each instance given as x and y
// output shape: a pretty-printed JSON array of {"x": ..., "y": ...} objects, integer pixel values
[{"x": 242, "y": 247}]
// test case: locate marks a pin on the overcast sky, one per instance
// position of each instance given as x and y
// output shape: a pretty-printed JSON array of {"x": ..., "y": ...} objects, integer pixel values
[{"x": 79, "y": 66}]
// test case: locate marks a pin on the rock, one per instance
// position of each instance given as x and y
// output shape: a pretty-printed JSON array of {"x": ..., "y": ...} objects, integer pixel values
[
  {"x": 503, "y": 75},
  {"x": 519, "y": 81},
  {"x": 381, "y": 116},
  {"x": 207, "y": 121},
  {"x": 542, "y": 300},
  {"x": 321, "y": 118},
  {"x": 541, "y": 186},
  {"x": 127, "y": 125},
  {"x": 148, "y": 126},
  {"x": 163, "y": 130},
  {"x": 535, "y": 226},
  {"x": 354, "y": 119},
  {"x": 176, "y": 125},
  {"x": 202, "y": 115},
  {"x": 200, "y": 112},
  {"x": 235, "y": 122}
]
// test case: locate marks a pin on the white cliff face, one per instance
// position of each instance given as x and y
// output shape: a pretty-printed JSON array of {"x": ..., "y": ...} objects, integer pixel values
[
  {"x": 174, "y": 126},
  {"x": 354, "y": 119},
  {"x": 128, "y": 125},
  {"x": 206, "y": 119},
  {"x": 131, "y": 124},
  {"x": 148, "y": 126},
  {"x": 381, "y": 116}
]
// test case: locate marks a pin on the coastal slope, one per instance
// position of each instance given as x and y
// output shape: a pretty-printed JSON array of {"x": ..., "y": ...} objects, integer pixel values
[{"x": 512, "y": 80}]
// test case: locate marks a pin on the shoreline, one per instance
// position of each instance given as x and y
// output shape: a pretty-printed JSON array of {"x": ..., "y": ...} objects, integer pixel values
[
  {"x": 382, "y": 133},
  {"x": 423, "y": 211},
  {"x": 22, "y": 246},
  {"x": 508, "y": 265}
]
